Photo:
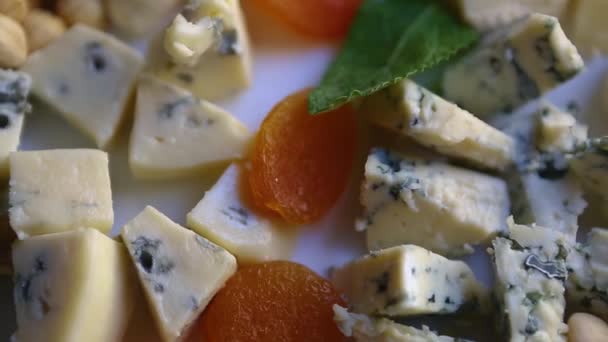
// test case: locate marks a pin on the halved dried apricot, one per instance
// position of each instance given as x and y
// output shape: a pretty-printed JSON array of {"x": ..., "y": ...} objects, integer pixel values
[
  {"x": 277, "y": 301},
  {"x": 301, "y": 163}
]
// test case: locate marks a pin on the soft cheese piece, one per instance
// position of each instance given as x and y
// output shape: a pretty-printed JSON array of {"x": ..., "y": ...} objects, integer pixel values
[
  {"x": 14, "y": 90},
  {"x": 558, "y": 131},
  {"x": 180, "y": 271},
  {"x": 530, "y": 267},
  {"x": 225, "y": 217},
  {"x": 88, "y": 76},
  {"x": 138, "y": 18},
  {"x": 60, "y": 190},
  {"x": 434, "y": 205},
  {"x": 176, "y": 134},
  {"x": 513, "y": 65},
  {"x": 367, "y": 329},
  {"x": 588, "y": 28},
  {"x": 72, "y": 287},
  {"x": 486, "y": 15},
  {"x": 408, "y": 280},
  {"x": 205, "y": 49},
  {"x": 409, "y": 109}
]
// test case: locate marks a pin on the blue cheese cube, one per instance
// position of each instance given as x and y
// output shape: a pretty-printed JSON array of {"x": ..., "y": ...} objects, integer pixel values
[
  {"x": 88, "y": 76},
  {"x": 408, "y": 280},
  {"x": 179, "y": 270},
  {"x": 513, "y": 65},
  {"x": 411, "y": 110},
  {"x": 531, "y": 271},
  {"x": 171, "y": 126},
  {"x": 364, "y": 328},
  {"x": 590, "y": 164},
  {"x": 431, "y": 204},
  {"x": 558, "y": 131},
  {"x": 72, "y": 286},
  {"x": 14, "y": 91},
  {"x": 60, "y": 190}
]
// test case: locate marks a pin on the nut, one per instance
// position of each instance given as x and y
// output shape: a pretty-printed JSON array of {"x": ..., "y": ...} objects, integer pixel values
[
  {"x": 13, "y": 44},
  {"x": 87, "y": 12},
  {"x": 584, "y": 327},
  {"x": 16, "y": 9},
  {"x": 42, "y": 27}
]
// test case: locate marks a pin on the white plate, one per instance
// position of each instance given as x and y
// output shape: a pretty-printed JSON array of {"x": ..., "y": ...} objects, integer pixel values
[{"x": 283, "y": 64}]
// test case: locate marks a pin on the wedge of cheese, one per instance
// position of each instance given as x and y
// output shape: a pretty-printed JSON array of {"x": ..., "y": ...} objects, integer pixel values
[
  {"x": 176, "y": 134},
  {"x": 179, "y": 270},
  {"x": 14, "y": 91},
  {"x": 72, "y": 287},
  {"x": 88, "y": 76}
]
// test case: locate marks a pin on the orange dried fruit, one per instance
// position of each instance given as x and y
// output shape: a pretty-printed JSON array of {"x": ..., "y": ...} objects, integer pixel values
[
  {"x": 278, "y": 301},
  {"x": 301, "y": 163}
]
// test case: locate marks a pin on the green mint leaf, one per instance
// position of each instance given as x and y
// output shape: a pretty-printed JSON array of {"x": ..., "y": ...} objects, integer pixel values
[{"x": 389, "y": 40}]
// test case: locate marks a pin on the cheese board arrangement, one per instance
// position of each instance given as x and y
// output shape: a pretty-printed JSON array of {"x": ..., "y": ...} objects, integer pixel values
[{"x": 267, "y": 170}]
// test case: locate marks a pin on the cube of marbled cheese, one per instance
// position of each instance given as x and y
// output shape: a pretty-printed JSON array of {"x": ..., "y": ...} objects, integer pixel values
[
  {"x": 14, "y": 91},
  {"x": 89, "y": 77},
  {"x": 205, "y": 50},
  {"x": 412, "y": 110},
  {"x": 558, "y": 131},
  {"x": 431, "y": 204},
  {"x": 530, "y": 266},
  {"x": 176, "y": 134},
  {"x": 225, "y": 217},
  {"x": 408, "y": 280},
  {"x": 513, "y": 65},
  {"x": 60, "y": 190},
  {"x": 72, "y": 286},
  {"x": 179, "y": 270}
]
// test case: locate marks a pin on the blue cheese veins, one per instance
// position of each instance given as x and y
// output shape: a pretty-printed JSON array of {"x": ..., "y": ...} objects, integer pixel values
[
  {"x": 179, "y": 270},
  {"x": 431, "y": 204},
  {"x": 513, "y": 65},
  {"x": 14, "y": 90},
  {"x": 530, "y": 266},
  {"x": 409, "y": 109},
  {"x": 409, "y": 280}
]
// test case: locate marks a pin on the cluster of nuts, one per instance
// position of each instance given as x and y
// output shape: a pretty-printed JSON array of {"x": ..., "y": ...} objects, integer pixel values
[{"x": 28, "y": 25}]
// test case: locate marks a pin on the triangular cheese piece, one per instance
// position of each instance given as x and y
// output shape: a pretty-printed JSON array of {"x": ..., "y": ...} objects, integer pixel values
[
  {"x": 180, "y": 271},
  {"x": 177, "y": 134}
]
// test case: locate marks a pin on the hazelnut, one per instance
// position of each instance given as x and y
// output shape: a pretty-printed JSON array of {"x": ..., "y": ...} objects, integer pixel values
[
  {"x": 13, "y": 43},
  {"x": 42, "y": 27}
]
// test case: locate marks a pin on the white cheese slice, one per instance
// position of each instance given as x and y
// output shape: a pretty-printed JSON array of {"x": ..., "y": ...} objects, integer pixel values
[
  {"x": 588, "y": 28},
  {"x": 179, "y": 270},
  {"x": 60, "y": 190},
  {"x": 213, "y": 60},
  {"x": 531, "y": 270},
  {"x": 558, "y": 131},
  {"x": 408, "y": 280},
  {"x": 513, "y": 65},
  {"x": 225, "y": 217},
  {"x": 72, "y": 287},
  {"x": 14, "y": 90},
  {"x": 177, "y": 134},
  {"x": 409, "y": 109},
  {"x": 88, "y": 76},
  {"x": 364, "y": 328},
  {"x": 434, "y": 205}
]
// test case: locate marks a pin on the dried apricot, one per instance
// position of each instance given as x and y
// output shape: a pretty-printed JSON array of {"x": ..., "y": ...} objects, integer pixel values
[
  {"x": 278, "y": 301},
  {"x": 324, "y": 19},
  {"x": 301, "y": 163}
]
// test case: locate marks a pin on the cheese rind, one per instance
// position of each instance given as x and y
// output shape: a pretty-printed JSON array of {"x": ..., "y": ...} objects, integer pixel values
[
  {"x": 530, "y": 268},
  {"x": 434, "y": 205},
  {"x": 179, "y": 270},
  {"x": 408, "y": 280},
  {"x": 410, "y": 109},
  {"x": 225, "y": 217},
  {"x": 72, "y": 287},
  {"x": 60, "y": 190},
  {"x": 513, "y": 65},
  {"x": 14, "y": 91},
  {"x": 88, "y": 76},
  {"x": 176, "y": 134}
]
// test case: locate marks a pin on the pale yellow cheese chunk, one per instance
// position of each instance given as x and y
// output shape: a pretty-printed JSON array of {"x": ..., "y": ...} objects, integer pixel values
[
  {"x": 88, "y": 76},
  {"x": 179, "y": 270},
  {"x": 14, "y": 91},
  {"x": 224, "y": 217},
  {"x": 72, "y": 287},
  {"x": 59, "y": 190},
  {"x": 138, "y": 18},
  {"x": 177, "y": 134}
]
